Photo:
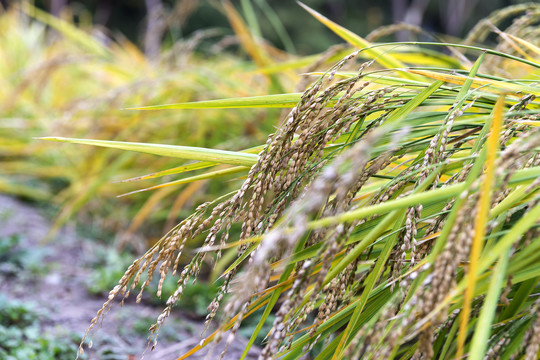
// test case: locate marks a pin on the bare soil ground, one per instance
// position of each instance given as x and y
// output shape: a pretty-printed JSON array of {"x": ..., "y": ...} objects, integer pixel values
[{"x": 61, "y": 293}]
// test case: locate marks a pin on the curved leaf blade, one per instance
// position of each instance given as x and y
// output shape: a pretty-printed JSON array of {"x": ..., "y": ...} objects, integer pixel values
[
  {"x": 176, "y": 151},
  {"x": 266, "y": 101}
]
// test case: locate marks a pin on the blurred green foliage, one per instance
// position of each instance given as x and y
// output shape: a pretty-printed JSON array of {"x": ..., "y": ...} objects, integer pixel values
[
  {"x": 15, "y": 257},
  {"x": 21, "y": 337}
]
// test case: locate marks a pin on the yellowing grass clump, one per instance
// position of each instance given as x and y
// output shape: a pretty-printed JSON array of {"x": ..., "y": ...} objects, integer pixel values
[{"x": 57, "y": 79}]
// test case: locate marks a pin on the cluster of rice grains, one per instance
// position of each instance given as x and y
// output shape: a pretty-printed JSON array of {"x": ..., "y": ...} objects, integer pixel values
[
  {"x": 291, "y": 156},
  {"x": 526, "y": 18},
  {"x": 315, "y": 167}
]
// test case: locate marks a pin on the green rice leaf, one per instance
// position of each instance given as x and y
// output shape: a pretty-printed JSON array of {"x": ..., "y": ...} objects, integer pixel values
[{"x": 181, "y": 152}]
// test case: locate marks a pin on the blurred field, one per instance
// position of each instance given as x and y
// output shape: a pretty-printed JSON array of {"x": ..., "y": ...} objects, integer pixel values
[{"x": 66, "y": 81}]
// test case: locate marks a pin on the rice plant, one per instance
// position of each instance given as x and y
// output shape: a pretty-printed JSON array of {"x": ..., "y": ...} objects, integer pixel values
[{"x": 394, "y": 213}]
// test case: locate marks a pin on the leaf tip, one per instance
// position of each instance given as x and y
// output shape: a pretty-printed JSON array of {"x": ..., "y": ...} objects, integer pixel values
[
  {"x": 307, "y": 8},
  {"x": 52, "y": 138}
]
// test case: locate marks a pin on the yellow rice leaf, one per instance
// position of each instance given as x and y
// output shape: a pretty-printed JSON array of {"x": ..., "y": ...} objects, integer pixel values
[
  {"x": 481, "y": 219},
  {"x": 535, "y": 49},
  {"x": 487, "y": 84},
  {"x": 382, "y": 57},
  {"x": 244, "y": 35}
]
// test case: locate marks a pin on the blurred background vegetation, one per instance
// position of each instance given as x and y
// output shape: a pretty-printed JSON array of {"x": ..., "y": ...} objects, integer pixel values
[{"x": 180, "y": 19}]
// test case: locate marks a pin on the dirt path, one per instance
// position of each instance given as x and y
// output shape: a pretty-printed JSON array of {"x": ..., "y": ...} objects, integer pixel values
[{"x": 60, "y": 291}]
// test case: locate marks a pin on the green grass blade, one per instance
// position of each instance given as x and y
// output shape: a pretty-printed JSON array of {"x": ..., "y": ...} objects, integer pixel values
[
  {"x": 369, "y": 284},
  {"x": 276, "y": 23},
  {"x": 513, "y": 235},
  {"x": 461, "y": 46},
  {"x": 251, "y": 17},
  {"x": 186, "y": 168},
  {"x": 424, "y": 198},
  {"x": 484, "y": 324},
  {"x": 265, "y": 101},
  {"x": 175, "y": 151},
  {"x": 411, "y": 105},
  {"x": 519, "y": 299}
]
